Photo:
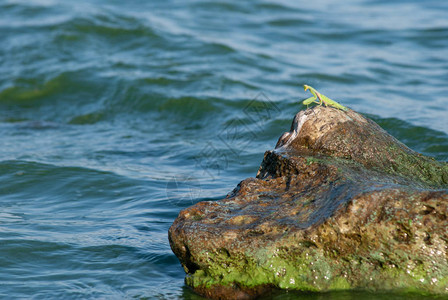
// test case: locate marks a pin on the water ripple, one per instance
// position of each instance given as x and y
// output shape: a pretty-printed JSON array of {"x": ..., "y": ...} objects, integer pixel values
[{"x": 114, "y": 116}]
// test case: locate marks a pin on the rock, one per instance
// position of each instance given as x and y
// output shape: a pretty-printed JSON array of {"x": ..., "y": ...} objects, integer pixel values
[{"x": 339, "y": 204}]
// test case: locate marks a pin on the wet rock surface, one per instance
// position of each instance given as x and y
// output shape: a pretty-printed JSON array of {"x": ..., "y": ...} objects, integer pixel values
[{"x": 339, "y": 204}]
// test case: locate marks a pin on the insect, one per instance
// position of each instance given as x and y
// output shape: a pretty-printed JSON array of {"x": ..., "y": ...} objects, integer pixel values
[{"x": 322, "y": 99}]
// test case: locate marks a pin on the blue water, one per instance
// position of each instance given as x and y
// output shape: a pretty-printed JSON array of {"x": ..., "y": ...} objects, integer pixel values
[{"x": 115, "y": 115}]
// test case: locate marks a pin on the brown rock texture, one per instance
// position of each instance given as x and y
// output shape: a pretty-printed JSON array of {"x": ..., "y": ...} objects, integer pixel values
[{"x": 339, "y": 204}]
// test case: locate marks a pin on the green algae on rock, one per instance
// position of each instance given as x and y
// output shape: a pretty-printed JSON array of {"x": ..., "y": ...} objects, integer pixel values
[{"x": 338, "y": 205}]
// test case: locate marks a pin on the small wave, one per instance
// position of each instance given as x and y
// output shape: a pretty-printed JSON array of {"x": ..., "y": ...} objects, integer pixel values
[
  {"x": 222, "y": 6},
  {"x": 27, "y": 91},
  {"x": 288, "y": 22},
  {"x": 431, "y": 38},
  {"x": 89, "y": 118},
  {"x": 276, "y": 7},
  {"x": 35, "y": 178},
  {"x": 421, "y": 139}
]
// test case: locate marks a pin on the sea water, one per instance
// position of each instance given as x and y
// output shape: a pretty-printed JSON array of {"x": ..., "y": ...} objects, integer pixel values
[{"x": 115, "y": 115}]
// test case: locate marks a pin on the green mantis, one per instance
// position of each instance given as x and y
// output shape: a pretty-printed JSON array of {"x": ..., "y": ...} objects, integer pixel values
[{"x": 322, "y": 99}]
